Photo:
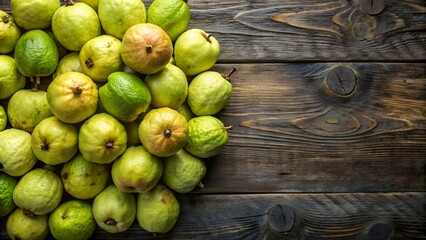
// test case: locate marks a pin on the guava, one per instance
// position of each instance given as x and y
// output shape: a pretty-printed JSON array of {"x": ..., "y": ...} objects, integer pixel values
[
  {"x": 100, "y": 56},
  {"x": 11, "y": 80},
  {"x": 9, "y": 33},
  {"x": 136, "y": 170},
  {"x": 53, "y": 141},
  {"x": 163, "y": 131},
  {"x": 157, "y": 209},
  {"x": 72, "y": 97},
  {"x": 102, "y": 138},
  {"x": 146, "y": 48},
  {"x": 22, "y": 225},
  {"x": 68, "y": 63},
  {"x": 207, "y": 136},
  {"x": 36, "y": 54},
  {"x": 183, "y": 171},
  {"x": 39, "y": 191},
  {"x": 168, "y": 87},
  {"x": 7, "y": 184},
  {"x": 74, "y": 24},
  {"x": 34, "y": 14},
  {"x": 117, "y": 16},
  {"x": 196, "y": 51},
  {"x": 83, "y": 179},
  {"x": 114, "y": 211},
  {"x": 27, "y": 108},
  {"x": 209, "y": 92},
  {"x": 16, "y": 156},
  {"x": 72, "y": 220},
  {"x": 172, "y": 16},
  {"x": 125, "y": 96}
]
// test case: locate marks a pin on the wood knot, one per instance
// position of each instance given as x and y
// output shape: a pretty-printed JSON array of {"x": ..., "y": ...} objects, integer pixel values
[
  {"x": 372, "y": 7},
  {"x": 341, "y": 81},
  {"x": 281, "y": 218}
]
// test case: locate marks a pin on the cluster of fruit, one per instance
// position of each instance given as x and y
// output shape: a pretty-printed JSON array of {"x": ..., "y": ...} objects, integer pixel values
[{"x": 126, "y": 119}]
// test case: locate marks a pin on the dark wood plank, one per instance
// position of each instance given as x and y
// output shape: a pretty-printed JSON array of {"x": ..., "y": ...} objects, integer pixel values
[
  {"x": 292, "y": 216},
  {"x": 307, "y": 30},
  {"x": 292, "y": 134}
]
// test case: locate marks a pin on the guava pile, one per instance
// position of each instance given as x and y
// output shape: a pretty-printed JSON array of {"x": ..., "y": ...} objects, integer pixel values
[{"x": 108, "y": 111}]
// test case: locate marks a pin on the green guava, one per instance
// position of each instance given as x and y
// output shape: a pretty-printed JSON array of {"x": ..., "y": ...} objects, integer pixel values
[
  {"x": 157, "y": 209},
  {"x": 102, "y": 138},
  {"x": 22, "y": 225},
  {"x": 114, "y": 210},
  {"x": 136, "y": 170},
  {"x": 39, "y": 191},
  {"x": 183, "y": 171},
  {"x": 83, "y": 179},
  {"x": 207, "y": 136}
]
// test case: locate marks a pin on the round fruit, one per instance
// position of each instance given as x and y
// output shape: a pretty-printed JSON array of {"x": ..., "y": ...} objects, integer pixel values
[
  {"x": 117, "y": 16},
  {"x": 39, "y": 191},
  {"x": 27, "y": 108},
  {"x": 183, "y": 172},
  {"x": 36, "y": 54},
  {"x": 196, "y": 51},
  {"x": 163, "y": 131},
  {"x": 9, "y": 33},
  {"x": 157, "y": 209},
  {"x": 102, "y": 138},
  {"x": 53, "y": 141},
  {"x": 11, "y": 80},
  {"x": 72, "y": 220},
  {"x": 207, "y": 136},
  {"x": 7, "y": 184},
  {"x": 136, "y": 170},
  {"x": 208, "y": 93},
  {"x": 68, "y": 63},
  {"x": 83, "y": 179},
  {"x": 34, "y": 14},
  {"x": 72, "y": 97},
  {"x": 168, "y": 87},
  {"x": 114, "y": 210},
  {"x": 100, "y": 56},
  {"x": 74, "y": 24},
  {"x": 16, "y": 156},
  {"x": 125, "y": 96},
  {"x": 3, "y": 119},
  {"x": 146, "y": 48},
  {"x": 171, "y": 15},
  {"x": 24, "y": 226}
]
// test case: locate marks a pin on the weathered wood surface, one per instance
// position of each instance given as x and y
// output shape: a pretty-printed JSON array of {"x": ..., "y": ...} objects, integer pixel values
[
  {"x": 329, "y": 123},
  {"x": 360, "y": 216},
  {"x": 314, "y": 30}
]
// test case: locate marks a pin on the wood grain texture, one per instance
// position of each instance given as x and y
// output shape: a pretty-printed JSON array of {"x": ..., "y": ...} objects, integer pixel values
[
  {"x": 310, "y": 30},
  {"x": 306, "y": 30},
  {"x": 315, "y": 216}
]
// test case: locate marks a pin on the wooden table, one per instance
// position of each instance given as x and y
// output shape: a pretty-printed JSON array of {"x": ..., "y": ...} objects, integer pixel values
[{"x": 329, "y": 123}]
